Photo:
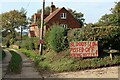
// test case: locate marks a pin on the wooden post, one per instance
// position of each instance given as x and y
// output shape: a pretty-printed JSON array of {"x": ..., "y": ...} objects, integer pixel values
[
  {"x": 110, "y": 55},
  {"x": 41, "y": 29}
]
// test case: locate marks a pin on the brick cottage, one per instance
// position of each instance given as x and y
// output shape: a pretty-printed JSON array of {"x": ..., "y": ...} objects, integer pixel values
[{"x": 59, "y": 16}]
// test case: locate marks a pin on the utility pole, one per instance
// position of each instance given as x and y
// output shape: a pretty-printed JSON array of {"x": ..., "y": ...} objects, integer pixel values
[{"x": 41, "y": 29}]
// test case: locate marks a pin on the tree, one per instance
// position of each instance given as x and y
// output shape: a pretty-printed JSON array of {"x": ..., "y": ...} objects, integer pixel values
[
  {"x": 56, "y": 38},
  {"x": 113, "y": 18},
  {"x": 47, "y": 10},
  {"x": 78, "y": 16},
  {"x": 116, "y": 11},
  {"x": 12, "y": 20}
]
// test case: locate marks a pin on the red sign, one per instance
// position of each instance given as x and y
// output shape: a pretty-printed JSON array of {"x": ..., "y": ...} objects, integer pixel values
[
  {"x": 84, "y": 49},
  {"x": 41, "y": 41}
]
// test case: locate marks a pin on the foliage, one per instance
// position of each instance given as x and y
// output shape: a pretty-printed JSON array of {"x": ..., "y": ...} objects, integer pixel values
[
  {"x": 56, "y": 38},
  {"x": 15, "y": 64},
  {"x": 112, "y": 18},
  {"x": 105, "y": 35},
  {"x": 53, "y": 62},
  {"x": 2, "y": 55},
  {"x": 78, "y": 16},
  {"x": 29, "y": 43},
  {"x": 29, "y": 53},
  {"x": 12, "y": 20}
]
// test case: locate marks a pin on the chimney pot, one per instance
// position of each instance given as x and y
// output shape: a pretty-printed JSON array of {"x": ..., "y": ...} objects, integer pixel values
[
  {"x": 51, "y": 3},
  {"x": 52, "y": 8}
]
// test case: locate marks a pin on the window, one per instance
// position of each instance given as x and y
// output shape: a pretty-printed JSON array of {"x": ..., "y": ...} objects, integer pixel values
[
  {"x": 64, "y": 25},
  {"x": 63, "y": 15}
]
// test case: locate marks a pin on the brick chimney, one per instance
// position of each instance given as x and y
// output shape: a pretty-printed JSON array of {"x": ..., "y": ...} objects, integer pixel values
[
  {"x": 52, "y": 8},
  {"x": 35, "y": 18}
]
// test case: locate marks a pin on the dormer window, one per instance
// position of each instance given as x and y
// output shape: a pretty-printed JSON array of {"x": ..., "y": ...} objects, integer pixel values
[{"x": 63, "y": 15}]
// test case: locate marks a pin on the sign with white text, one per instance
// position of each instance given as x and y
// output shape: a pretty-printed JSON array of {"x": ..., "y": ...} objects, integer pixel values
[{"x": 84, "y": 49}]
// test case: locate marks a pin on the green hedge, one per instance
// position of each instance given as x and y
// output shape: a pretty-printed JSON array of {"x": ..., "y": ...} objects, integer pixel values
[
  {"x": 29, "y": 43},
  {"x": 106, "y": 35},
  {"x": 56, "y": 38},
  {"x": 15, "y": 64}
]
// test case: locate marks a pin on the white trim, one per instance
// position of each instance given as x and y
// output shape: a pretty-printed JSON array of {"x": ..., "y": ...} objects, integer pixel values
[{"x": 63, "y": 15}]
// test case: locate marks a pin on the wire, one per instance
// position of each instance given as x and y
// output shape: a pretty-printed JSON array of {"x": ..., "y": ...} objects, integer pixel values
[{"x": 28, "y": 5}]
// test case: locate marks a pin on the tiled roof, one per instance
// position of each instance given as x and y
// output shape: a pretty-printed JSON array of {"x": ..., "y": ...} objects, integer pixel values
[
  {"x": 39, "y": 15},
  {"x": 51, "y": 15},
  {"x": 33, "y": 24}
]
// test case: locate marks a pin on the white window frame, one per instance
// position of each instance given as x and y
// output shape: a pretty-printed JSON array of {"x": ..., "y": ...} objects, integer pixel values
[
  {"x": 63, "y": 15},
  {"x": 64, "y": 26}
]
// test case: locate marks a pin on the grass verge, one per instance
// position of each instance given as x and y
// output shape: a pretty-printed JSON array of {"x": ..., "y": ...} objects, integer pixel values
[
  {"x": 61, "y": 62},
  {"x": 15, "y": 64},
  {"x": 29, "y": 53},
  {"x": 2, "y": 55}
]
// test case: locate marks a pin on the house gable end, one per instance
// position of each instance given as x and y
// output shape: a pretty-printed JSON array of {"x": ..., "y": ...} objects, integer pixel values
[{"x": 70, "y": 20}]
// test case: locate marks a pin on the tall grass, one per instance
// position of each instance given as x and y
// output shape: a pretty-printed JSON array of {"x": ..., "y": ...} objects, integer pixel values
[{"x": 15, "y": 64}]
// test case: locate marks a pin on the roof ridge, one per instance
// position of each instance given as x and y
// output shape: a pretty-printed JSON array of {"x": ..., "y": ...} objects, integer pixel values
[{"x": 52, "y": 15}]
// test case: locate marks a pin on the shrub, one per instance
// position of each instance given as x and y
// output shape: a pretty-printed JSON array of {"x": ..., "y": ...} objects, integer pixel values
[
  {"x": 29, "y": 44},
  {"x": 106, "y": 36},
  {"x": 63, "y": 62},
  {"x": 56, "y": 38},
  {"x": 15, "y": 64},
  {"x": 28, "y": 53}
]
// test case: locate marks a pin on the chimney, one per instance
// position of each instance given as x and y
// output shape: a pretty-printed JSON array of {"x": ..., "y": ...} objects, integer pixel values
[
  {"x": 35, "y": 18},
  {"x": 52, "y": 8}
]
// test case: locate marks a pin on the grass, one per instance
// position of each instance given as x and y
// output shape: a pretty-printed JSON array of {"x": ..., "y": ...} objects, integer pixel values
[
  {"x": 61, "y": 62},
  {"x": 2, "y": 55},
  {"x": 15, "y": 64},
  {"x": 29, "y": 53},
  {"x": 51, "y": 61}
]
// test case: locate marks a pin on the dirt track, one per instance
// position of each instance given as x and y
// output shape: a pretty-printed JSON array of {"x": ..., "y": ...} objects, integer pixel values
[{"x": 108, "y": 72}]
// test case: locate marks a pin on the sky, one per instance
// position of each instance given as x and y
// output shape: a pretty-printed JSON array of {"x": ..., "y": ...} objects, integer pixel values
[{"x": 92, "y": 9}]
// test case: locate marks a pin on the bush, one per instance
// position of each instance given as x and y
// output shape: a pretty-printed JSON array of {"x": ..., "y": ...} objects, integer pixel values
[
  {"x": 56, "y": 38},
  {"x": 106, "y": 36},
  {"x": 29, "y": 44},
  {"x": 28, "y": 53},
  {"x": 15, "y": 64},
  {"x": 63, "y": 62}
]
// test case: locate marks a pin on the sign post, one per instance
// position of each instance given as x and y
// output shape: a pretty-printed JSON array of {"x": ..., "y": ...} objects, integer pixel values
[
  {"x": 42, "y": 25},
  {"x": 84, "y": 49}
]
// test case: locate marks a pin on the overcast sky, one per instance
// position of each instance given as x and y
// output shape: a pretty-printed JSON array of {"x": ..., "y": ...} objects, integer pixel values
[{"x": 92, "y": 9}]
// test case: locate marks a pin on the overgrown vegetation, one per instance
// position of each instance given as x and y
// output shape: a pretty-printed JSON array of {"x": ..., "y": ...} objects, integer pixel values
[
  {"x": 63, "y": 62},
  {"x": 106, "y": 36},
  {"x": 29, "y": 53},
  {"x": 15, "y": 64},
  {"x": 29, "y": 43},
  {"x": 2, "y": 54},
  {"x": 56, "y": 38}
]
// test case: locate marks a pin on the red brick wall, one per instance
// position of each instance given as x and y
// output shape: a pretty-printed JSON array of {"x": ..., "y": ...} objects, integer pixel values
[{"x": 70, "y": 20}]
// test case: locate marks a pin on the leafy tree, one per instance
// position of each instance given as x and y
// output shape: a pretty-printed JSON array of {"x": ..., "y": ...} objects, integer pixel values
[
  {"x": 56, "y": 38},
  {"x": 12, "y": 20},
  {"x": 111, "y": 19},
  {"x": 78, "y": 16},
  {"x": 47, "y": 10}
]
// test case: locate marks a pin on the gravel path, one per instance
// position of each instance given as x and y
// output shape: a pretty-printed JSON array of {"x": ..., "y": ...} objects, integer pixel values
[
  {"x": 108, "y": 72},
  {"x": 5, "y": 62}
]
